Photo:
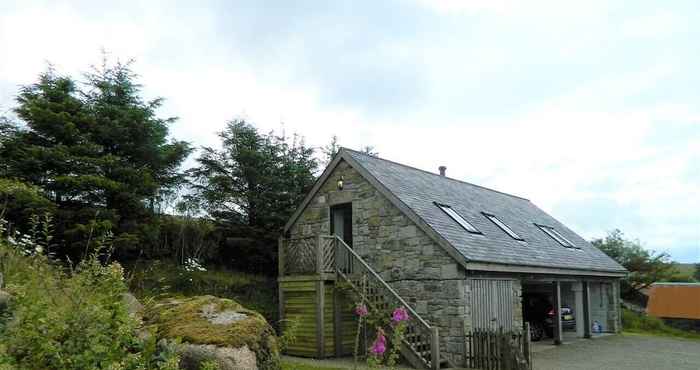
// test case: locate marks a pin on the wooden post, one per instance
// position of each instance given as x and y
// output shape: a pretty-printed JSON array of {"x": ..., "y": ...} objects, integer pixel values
[
  {"x": 526, "y": 344},
  {"x": 501, "y": 350},
  {"x": 280, "y": 306},
  {"x": 556, "y": 287},
  {"x": 280, "y": 290},
  {"x": 586, "y": 310},
  {"x": 337, "y": 322},
  {"x": 435, "y": 348},
  {"x": 320, "y": 332},
  {"x": 465, "y": 335},
  {"x": 280, "y": 257},
  {"x": 319, "y": 255}
]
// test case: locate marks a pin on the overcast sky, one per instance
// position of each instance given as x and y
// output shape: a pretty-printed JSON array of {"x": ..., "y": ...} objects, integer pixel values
[{"x": 587, "y": 108}]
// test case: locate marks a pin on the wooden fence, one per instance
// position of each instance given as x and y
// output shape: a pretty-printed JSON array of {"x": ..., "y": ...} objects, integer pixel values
[{"x": 499, "y": 350}]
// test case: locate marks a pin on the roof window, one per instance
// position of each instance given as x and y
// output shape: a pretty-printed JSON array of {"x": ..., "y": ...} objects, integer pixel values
[
  {"x": 458, "y": 218},
  {"x": 554, "y": 234},
  {"x": 503, "y": 226}
]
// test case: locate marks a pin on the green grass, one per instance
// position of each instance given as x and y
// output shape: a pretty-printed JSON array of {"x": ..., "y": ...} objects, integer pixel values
[
  {"x": 635, "y": 323},
  {"x": 684, "y": 272},
  {"x": 290, "y": 365},
  {"x": 686, "y": 268},
  {"x": 255, "y": 292}
]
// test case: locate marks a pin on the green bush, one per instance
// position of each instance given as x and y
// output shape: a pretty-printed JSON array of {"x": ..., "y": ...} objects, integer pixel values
[
  {"x": 74, "y": 319},
  {"x": 20, "y": 201}
]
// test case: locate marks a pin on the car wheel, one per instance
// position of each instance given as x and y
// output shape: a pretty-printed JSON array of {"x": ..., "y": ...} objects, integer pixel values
[{"x": 536, "y": 332}]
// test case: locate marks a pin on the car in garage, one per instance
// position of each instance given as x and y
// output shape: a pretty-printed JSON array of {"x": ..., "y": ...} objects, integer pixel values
[{"x": 538, "y": 310}]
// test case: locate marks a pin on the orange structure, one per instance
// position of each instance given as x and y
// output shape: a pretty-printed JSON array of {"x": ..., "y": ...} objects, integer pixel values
[{"x": 675, "y": 301}]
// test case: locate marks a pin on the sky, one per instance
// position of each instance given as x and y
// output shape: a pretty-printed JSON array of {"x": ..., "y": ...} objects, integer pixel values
[{"x": 589, "y": 108}]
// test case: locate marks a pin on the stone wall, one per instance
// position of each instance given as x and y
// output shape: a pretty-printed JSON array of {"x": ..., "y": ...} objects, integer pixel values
[{"x": 415, "y": 266}]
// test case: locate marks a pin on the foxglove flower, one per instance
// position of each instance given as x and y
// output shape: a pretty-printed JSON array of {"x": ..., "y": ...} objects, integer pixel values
[
  {"x": 361, "y": 310},
  {"x": 399, "y": 315},
  {"x": 379, "y": 346}
]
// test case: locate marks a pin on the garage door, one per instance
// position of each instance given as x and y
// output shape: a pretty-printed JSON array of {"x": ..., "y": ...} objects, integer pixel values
[{"x": 492, "y": 303}]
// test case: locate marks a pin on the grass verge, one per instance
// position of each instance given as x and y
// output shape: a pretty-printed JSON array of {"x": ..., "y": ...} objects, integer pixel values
[
  {"x": 635, "y": 323},
  {"x": 290, "y": 365}
]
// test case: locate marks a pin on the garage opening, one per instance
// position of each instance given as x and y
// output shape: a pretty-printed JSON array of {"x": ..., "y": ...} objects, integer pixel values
[{"x": 539, "y": 309}]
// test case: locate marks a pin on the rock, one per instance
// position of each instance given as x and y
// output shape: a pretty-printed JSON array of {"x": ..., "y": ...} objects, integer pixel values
[
  {"x": 133, "y": 306},
  {"x": 215, "y": 329},
  {"x": 136, "y": 312},
  {"x": 192, "y": 356},
  {"x": 5, "y": 299}
]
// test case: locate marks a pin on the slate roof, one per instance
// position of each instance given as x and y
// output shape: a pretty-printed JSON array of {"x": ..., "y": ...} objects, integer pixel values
[{"x": 419, "y": 189}]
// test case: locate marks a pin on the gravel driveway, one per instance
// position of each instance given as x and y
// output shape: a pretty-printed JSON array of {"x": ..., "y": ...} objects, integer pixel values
[{"x": 623, "y": 352}]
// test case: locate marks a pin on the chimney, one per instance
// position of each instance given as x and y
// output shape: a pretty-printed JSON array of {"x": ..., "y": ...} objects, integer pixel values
[{"x": 442, "y": 170}]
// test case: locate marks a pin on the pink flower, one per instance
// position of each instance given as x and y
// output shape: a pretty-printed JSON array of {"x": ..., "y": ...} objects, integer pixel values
[
  {"x": 399, "y": 315},
  {"x": 361, "y": 310},
  {"x": 379, "y": 345}
]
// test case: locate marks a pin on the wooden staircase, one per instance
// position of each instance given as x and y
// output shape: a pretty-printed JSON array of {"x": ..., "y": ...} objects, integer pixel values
[{"x": 421, "y": 345}]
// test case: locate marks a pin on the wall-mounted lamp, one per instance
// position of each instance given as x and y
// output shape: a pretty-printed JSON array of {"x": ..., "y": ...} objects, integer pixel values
[{"x": 340, "y": 183}]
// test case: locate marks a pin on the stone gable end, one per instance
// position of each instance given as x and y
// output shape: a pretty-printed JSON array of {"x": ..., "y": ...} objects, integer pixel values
[{"x": 409, "y": 260}]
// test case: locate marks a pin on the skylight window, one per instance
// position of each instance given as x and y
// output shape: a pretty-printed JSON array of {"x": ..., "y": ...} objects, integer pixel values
[
  {"x": 503, "y": 226},
  {"x": 554, "y": 234},
  {"x": 459, "y": 219}
]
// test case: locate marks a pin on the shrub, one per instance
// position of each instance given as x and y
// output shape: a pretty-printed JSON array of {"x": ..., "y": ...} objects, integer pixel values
[{"x": 73, "y": 319}]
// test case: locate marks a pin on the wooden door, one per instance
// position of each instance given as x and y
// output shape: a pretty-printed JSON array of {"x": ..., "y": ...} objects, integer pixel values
[{"x": 341, "y": 222}]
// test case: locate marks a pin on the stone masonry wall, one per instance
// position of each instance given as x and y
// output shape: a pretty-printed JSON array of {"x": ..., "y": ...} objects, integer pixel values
[{"x": 415, "y": 266}]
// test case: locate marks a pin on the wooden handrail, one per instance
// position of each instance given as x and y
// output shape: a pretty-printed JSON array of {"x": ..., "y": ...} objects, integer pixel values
[
  {"x": 381, "y": 281},
  {"x": 429, "y": 331}
]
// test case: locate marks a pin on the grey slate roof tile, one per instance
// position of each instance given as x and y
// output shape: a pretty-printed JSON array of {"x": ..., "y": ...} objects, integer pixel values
[{"x": 419, "y": 190}]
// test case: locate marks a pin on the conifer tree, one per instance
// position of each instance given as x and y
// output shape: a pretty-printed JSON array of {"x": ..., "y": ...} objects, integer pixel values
[{"x": 97, "y": 150}]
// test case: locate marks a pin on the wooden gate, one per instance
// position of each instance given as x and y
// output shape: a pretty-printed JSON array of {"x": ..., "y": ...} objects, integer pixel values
[
  {"x": 498, "y": 349},
  {"x": 492, "y": 303}
]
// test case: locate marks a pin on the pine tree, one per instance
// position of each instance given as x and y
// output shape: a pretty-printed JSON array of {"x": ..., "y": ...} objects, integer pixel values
[
  {"x": 253, "y": 184},
  {"x": 100, "y": 153}
]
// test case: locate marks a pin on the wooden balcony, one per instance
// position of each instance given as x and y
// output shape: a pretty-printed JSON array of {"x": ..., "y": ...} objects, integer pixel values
[{"x": 311, "y": 255}]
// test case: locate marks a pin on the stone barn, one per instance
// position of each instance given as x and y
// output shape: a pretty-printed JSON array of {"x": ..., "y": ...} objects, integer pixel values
[{"x": 457, "y": 256}]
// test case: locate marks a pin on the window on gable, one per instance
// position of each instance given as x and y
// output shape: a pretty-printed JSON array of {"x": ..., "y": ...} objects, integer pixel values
[
  {"x": 458, "y": 218},
  {"x": 503, "y": 226},
  {"x": 554, "y": 234}
]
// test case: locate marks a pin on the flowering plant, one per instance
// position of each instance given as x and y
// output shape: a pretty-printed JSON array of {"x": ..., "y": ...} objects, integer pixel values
[
  {"x": 377, "y": 349},
  {"x": 193, "y": 264},
  {"x": 379, "y": 345},
  {"x": 361, "y": 310},
  {"x": 399, "y": 315},
  {"x": 385, "y": 349}
]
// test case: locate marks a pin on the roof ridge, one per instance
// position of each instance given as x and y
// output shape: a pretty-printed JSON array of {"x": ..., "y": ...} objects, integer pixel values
[{"x": 434, "y": 174}]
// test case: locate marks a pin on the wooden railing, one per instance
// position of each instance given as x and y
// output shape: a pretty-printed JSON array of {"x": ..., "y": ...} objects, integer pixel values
[
  {"x": 306, "y": 255},
  {"x": 421, "y": 341},
  {"x": 498, "y": 349}
]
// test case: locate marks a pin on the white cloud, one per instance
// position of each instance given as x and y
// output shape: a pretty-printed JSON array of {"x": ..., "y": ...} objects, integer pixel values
[
  {"x": 659, "y": 24},
  {"x": 570, "y": 117}
]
